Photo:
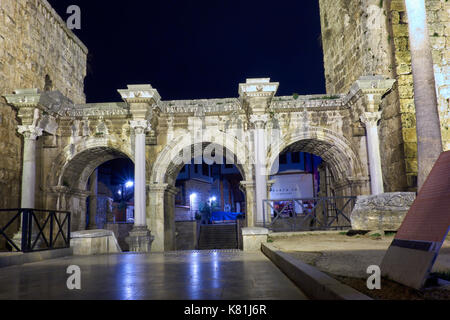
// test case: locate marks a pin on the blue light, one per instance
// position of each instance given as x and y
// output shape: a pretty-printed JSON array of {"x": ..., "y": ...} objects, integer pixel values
[{"x": 129, "y": 184}]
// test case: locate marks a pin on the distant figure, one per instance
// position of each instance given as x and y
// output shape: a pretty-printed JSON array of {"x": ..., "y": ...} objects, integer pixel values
[{"x": 227, "y": 208}]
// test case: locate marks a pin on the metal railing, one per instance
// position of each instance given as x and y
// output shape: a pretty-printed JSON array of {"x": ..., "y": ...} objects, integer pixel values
[
  {"x": 32, "y": 230},
  {"x": 325, "y": 213}
]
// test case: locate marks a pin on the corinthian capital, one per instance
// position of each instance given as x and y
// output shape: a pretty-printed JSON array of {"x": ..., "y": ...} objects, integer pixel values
[
  {"x": 259, "y": 121},
  {"x": 370, "y": 119},
  {"x": 140, "y": 126},
  {"x": 30, "y": 132}
]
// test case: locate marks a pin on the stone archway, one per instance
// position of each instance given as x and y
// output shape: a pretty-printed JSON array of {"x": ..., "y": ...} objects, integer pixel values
[
  {"x": 168, "y": 164},
  {"x": 350, "y": 175},
  {"x": 68, "y": 180}
]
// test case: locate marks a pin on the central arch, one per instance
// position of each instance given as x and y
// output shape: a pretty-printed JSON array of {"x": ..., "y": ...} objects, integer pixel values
[{"x": 166, "y": 168}]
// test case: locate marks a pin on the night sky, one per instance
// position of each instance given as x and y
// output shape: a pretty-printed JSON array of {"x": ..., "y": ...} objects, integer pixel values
[{"x": 199, "y": 49}]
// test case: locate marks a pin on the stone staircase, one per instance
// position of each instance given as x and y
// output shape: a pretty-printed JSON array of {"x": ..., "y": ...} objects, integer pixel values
[{"x": 218, "y": 236}]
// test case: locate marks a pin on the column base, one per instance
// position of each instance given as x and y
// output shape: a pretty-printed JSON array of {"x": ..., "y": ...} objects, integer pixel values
[
  {"x": 140, "y": 239},
  {"x": 17, "y": 239}
]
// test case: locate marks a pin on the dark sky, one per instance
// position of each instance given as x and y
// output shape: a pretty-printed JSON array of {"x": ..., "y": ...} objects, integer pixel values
[{"x": 199, "y": 49}]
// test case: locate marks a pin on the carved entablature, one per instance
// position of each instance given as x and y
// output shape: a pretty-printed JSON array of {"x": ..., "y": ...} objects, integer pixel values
[
  {"x": 38, "y": 109},
  {"x": 98, "y": 110},
  {"x": 319, "y": 102},
  {"x": 205, "y": 106},
  {"x": 48, "y": 103}
]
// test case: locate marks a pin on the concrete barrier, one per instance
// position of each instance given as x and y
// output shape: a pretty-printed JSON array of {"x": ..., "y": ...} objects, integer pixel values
[{"x": 314, "y": 283}]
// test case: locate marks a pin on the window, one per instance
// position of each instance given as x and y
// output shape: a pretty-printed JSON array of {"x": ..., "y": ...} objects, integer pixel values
[
  {"x": 295, "y": 156},
  {"x": 48, "y": 86},
  {"x": 196, "y": 168},
  {"x": 283, "y": 158}
]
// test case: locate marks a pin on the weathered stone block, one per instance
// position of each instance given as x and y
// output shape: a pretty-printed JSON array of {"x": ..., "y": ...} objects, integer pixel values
[
  {"x": 381, "y": 212},
  {"x": 253, "y": 237},
  {"x": 91, "y": 242}
]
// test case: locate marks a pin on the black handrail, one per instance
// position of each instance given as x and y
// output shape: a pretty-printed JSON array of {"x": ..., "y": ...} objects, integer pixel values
[
  {"x": 326, "y": 204},
  {"x": 38, "y": 228}
]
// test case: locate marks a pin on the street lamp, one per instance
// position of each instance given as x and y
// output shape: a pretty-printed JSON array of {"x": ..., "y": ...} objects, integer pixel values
[{"x": 129, "y": 184}]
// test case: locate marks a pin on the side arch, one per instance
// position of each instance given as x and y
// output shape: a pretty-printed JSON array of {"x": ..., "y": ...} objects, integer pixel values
[
  {"x": 332, "y": 147},
  {"x": 74, "y": 165}
]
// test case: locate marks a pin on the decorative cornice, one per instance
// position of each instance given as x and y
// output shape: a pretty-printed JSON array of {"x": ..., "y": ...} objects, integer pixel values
[
  {"x": 377, "y": 85},
  {"x": 50, "y": 102},
  {"x": 140, "y": 94},
  {"x": 261, "y": 87}
]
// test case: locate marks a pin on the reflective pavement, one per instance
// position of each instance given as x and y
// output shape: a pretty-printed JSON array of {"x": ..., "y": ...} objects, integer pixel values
[{"x": 189, "y": 275}]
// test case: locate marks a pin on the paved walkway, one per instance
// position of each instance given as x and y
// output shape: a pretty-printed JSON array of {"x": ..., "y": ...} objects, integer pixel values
[{"x": 201, "y": 275}]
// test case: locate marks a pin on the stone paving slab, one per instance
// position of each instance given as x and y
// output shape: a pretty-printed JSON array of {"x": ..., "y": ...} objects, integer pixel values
[{"x": 196, "y": 275}]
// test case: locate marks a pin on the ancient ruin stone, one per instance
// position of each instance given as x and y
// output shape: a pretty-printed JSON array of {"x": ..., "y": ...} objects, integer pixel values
[{"x": 381, "y": 212}]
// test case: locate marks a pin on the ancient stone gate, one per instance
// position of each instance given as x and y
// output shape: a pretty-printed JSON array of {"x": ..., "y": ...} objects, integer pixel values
[{"x": 65, "y": 142}]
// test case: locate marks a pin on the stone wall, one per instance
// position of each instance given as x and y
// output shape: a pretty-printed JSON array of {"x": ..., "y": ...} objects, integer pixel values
[
  {"x": 355, "y": 42},
  {"x": 372, "y": 37},
  {"x": 35, "y": 43}
]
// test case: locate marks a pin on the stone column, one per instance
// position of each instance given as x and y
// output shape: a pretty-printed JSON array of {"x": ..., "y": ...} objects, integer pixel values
[
  {"x": 142, "y": 100},
  {"x": 93, "y": 200},
  {"x": 268, "y": 208},
  {"x": 370, "y": 120},
  {"x": 169, "y": 218},
  {"x": 248, "y": 187},
  {"x": 30, "y": 134},
  {"x": 260, "y": 152},
  {"x": 156, "y": 220},
  {"x": 372, "y": 89},
  {"x": 139, "y": 238},
  {"x": 256, "y": 96}
]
